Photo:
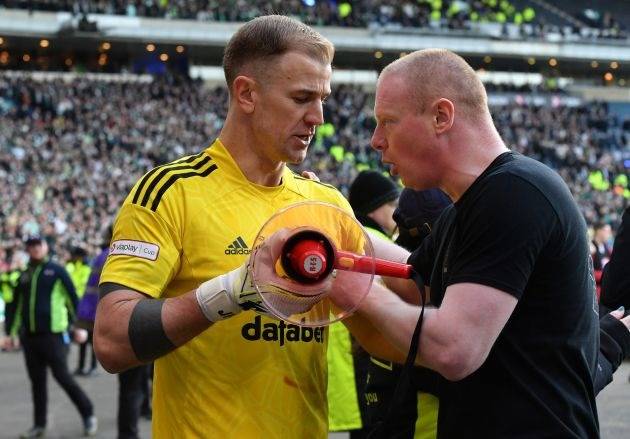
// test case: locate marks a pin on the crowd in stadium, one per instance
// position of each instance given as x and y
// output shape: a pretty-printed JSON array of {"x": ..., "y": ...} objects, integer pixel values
[
  {"x": 459, "y": 14},
  {"x": 70, "y": 152},
  {"x": 72, "y": 146}
]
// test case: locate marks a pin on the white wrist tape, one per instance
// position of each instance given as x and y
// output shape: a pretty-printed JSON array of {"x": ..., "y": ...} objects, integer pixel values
[{"x": 215, "y": 297}]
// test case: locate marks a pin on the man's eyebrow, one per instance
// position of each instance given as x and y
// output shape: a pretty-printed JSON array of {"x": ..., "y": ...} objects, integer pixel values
[{"x": 312, "y": 91}]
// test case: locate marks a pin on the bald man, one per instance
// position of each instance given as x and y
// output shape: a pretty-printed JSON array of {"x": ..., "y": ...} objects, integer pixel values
[{"x": 515, "y": 328}]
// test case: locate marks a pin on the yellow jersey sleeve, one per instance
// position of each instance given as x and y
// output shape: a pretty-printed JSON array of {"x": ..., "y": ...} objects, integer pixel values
[{"x": 145, "y": 251}]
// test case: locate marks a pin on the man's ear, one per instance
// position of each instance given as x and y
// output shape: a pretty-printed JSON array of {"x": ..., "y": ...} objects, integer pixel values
[
  {"x": 244, "y": 91},
  {"x": 443, "y": 114}
]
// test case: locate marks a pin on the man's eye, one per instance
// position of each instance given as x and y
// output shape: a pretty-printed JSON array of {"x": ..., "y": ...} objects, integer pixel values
[{"x": 300, "y": 100}]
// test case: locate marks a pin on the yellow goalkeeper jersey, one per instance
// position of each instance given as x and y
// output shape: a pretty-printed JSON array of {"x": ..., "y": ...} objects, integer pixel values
[{"x": 246, "y": 377}]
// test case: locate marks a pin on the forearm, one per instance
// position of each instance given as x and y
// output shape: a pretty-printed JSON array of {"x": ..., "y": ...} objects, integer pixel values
[
  {"x": 372, "y": 340},
  {"x": 396, "y": 321},
  {"x": 443, "y": 347},
  {"x": 389, "y": 251},
  {"x": 138, "y": 330}
]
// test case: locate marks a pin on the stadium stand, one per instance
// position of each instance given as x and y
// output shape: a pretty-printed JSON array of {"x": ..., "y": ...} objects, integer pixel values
[
  {"x": 70, "y": 149},
  {"x": 539, "y": 17}
]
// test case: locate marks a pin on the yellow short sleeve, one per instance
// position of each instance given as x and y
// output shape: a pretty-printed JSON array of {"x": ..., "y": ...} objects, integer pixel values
[{"x": 144, "y": 253}]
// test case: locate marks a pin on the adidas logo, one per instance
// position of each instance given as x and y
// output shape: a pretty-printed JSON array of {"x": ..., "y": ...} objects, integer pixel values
[{"x": 238, "y": 247}]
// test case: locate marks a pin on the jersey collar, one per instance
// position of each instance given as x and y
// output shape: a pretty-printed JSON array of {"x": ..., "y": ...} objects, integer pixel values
[{"x": 219, "y": 153}]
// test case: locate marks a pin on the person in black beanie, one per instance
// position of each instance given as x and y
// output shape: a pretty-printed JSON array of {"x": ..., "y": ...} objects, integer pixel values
[
  {"x": 373, "y": 198},
  {"x": 416, "y": 213}
]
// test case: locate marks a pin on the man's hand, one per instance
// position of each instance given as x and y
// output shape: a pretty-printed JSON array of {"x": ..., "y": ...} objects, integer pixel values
[
  {"x": 233, "y": 292},
  {"x": 227, "y": 295},
  {"x": 10, "y": 343},
  {"x": 618, "y": 314},
  {"x": 285, "y": 296},
  {"x": 79, "y": 335},
  {"x": 310, "y": 175}
]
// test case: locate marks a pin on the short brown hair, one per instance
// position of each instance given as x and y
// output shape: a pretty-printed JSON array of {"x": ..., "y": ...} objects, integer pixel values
[
  {"x": 439, "y": 73},
  {"x": 272, "y": 35}
]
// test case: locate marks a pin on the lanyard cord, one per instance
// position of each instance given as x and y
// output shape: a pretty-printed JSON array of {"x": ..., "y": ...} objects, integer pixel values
[{"x": 380, "y": 430}]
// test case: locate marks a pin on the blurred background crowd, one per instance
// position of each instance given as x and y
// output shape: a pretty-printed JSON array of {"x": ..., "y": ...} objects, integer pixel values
[
  {"x": 536, "y": 19},
  {"x": 70, "y": 152},
  {"x": 95, "y": 93}
]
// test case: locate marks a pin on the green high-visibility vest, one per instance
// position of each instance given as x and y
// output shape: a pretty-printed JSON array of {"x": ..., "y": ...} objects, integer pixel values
[
  {"x": 79, "y": 273},
  {"x": 8, "y": 281}
]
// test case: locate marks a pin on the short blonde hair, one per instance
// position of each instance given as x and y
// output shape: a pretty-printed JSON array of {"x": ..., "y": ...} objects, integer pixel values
[
  {"x": 263, "y": 38},
  {"x": 439, "y": 73}
]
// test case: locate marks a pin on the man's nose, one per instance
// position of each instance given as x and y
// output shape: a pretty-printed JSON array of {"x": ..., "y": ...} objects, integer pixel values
[
  {"x": 378, "y": 140},
  {"x": 315, "y": 114}
]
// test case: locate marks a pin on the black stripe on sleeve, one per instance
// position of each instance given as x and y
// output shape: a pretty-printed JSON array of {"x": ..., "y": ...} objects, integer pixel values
[
  {"x": 173, "y": 178},
  {"x": 148, "y": 175},
  {"x": 163, "y": 172}
]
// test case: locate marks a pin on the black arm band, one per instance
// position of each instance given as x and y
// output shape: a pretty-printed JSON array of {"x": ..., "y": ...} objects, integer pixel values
[
  {"x": 146, "y": 332},
  {"x": 109, "y": 287}
]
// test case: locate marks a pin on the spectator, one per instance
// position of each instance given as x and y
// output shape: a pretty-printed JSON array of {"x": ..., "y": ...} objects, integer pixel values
[
  {"x": 42, "y": 320},
  {"x": 78, "y": 269},
  {"x": 87, "y": 307},
  {"x": 601, "y": 245}
]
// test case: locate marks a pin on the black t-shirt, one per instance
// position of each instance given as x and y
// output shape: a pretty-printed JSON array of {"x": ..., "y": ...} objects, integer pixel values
[{"x": 518, "y": 229}]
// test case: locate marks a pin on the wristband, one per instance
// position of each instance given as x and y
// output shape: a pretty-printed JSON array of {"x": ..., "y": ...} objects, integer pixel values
[{"x": 215, "y": 296}]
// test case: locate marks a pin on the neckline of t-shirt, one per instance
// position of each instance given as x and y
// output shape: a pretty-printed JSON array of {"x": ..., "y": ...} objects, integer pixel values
[
  {"x": 224, "y": 158},
  {"x": 498, "y": 161}
]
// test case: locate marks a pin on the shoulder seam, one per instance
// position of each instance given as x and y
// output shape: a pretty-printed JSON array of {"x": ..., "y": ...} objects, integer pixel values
[
  {"x": 148, "y": 175},
  {"x": 194, "y": 172},
  {"x": 299, "y": 177},
  {"x": 168, "y": 170}
]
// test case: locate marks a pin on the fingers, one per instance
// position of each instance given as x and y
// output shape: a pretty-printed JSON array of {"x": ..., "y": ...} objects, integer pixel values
[
  {"x": 265, "y": 256},
  {"x": 310, "y": 175},
  {"x": 617, "y": 314},
  {"x": 276, "y": 243}
]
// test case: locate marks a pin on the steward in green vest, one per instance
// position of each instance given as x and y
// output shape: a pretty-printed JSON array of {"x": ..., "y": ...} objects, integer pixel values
[{"x": 78, "y": 269}]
